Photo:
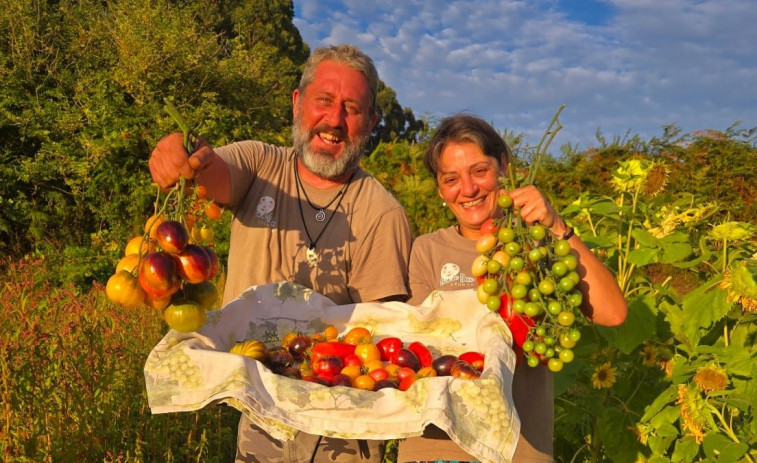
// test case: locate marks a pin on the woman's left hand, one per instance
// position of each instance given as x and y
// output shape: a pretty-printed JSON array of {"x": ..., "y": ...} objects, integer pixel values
[{"x": 534, "y": 207}]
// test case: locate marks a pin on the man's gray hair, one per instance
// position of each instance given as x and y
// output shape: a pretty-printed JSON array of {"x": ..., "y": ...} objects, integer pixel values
[{"x": 347, "y": 55}]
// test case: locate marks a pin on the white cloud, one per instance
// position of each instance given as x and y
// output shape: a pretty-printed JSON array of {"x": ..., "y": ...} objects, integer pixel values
[{"x": 651, "y": 63}]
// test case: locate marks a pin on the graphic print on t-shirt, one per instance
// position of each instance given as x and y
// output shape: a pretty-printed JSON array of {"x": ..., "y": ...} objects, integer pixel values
[
  {"x": 264, "y": 211},
  {"x": 450, "y": 275}
]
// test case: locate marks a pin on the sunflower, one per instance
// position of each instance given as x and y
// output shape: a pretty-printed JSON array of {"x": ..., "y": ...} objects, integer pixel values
[
  {"x": 604, "y": 376},
  {"x": 711, "y": 378},
  {"x": 649, "y": 355},
  {"x": 731, "y": 231},
  {"x": 740, "y": 280},
  {"x": 691, "y": 412},
  {"x": 631, "y": 175},
  {"x": 656, "y": 180}
]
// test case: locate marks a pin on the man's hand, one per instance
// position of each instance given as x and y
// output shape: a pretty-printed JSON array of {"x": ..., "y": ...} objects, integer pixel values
[{"x": 170, "y": 159}]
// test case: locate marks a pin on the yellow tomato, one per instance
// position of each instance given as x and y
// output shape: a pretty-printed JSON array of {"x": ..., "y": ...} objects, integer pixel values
[
  {"x": 352, "y": 371},
  {"x": 152, "y": 224},
  {"x": 371, "y": 365},
  {"x": 331, "y": 332},
  {"x": 138, "y": 245},
  {"x": 368, "y": 352},
  {"x": 128, "y": 263}
]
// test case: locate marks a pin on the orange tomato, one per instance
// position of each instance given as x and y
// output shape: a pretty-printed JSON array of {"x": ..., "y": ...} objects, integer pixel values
[
  {"x": 331, "y": 332},
  {"x": 152, "y": 224},
  {"x": 392, "y": 369},
  {"x": 123, "y": 289},
  {"x": 201, "y": 191},
  {"x": 364, "y": 382},
  {"x": 212, "y": 211},
  {"x": 287, "y": 339},
  {"x": 352, "y": 371},
  {"x": 358, "y": 335},
  {"x": 138, "y": 245},
  {"x": 426, "y": 372},
  {"x": 128, "y": 263},
  {"x": 373, "y": 365}
]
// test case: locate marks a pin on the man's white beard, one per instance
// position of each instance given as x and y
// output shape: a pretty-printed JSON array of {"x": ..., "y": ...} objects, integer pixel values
[{"x": 324, "y": 164}]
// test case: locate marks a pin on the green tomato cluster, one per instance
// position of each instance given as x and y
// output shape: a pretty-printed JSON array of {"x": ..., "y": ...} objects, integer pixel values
[{"x": 536, "y": 274}]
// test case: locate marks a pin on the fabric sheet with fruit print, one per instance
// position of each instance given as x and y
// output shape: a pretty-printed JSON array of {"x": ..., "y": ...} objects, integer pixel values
[{"x": 188, "y": 371}]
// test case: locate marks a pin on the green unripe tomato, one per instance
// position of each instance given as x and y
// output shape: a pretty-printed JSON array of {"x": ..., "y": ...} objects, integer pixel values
[
  {"x": 537, "y": 233},
  {"x": 506, "y": 235},
  {"x": 523, "y": 278},
  {"x": 541, "y": 331},
  {"x": 535, "y": 255},
  {"x": 561, "y": 248},
  {"x": 547, "y": 286},
  {"x": 554, "y": 307},
  {"x": 570, "y": 260},
  {"x": 567, "y": 355},
  {"x": 491, "y": 286},
  {"x": 504, "y": 201},
  {"x": 518, "y": 291},
  {"x": 555, "y": 365},
  {"x": 575, "y": 298},
  {"x": 493, "y": 302},
  {"x": 566, "y": 342},
  {"x": 574, "y": 335},
  {"x": 534, "y": 294},
  {"x": 512, "y": 248},
  {"x": 533, "y": 361},
  {"x": 528, "y": 345},
  {"x": 540, "y": 348},
  {"x": 532, "y": 309},
  {"x": 549, "y": 340},
  {"x": 549, "y": 353},
  {"x": 492, "y": 266},
  {"x": 566, "y": 318},
  {"x": 519, "y": 306},
  {"x": 559, "y": 269},
  {"x": 573, "y": 275},
  {"x": 565, "y": 284},
  {"x": 516, "y": 263}
]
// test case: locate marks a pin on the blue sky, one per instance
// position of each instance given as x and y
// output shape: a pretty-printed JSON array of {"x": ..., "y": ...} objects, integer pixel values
[{"x": 621, "y": 66}]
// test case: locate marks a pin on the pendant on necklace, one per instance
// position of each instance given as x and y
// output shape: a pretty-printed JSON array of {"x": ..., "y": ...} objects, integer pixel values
[
  {"x": 312, "y": 256},
  {"x": 320, "y": 215}
]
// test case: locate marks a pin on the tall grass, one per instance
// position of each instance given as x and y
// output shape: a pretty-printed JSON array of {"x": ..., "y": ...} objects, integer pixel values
[{"x": 72, "y": 382}]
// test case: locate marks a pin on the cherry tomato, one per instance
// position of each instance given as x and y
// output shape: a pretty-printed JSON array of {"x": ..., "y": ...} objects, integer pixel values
[
  {"x": 152, "y": 224},
  {"x": 378, "y": 374},
  {"x": 506, "y": 235},
  {"x": 561, "y": 248},
  {"x": 504, "y": 201},
  {"x": 474, "y": 359},
  {"x": 330, "y": 332},
  {"x": 537, "y": 232},
  {"x": 566, "y": 318},
  {"x": 353, "y": 371},
  {"x": 404, "y": 372},
  {"x": 388, "y": 347},
  {"x": 406, "y": 382},
  {"x": 485, "y": 243},
  {"x": 367, "y": 352},
  {"x": 364, "y": 382},
  {"x": 489, "y": 227},
  {"x": 212, "y": 211},
  {"x": 358, "y": 335},
  {"x": 426, "y": 372},
  {"x": 422, "y": 352},
  {"x": 352, "y": 359}
]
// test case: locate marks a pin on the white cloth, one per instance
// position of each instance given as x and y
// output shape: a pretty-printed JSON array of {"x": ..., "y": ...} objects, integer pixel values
[{"x": 188, "y": 371}]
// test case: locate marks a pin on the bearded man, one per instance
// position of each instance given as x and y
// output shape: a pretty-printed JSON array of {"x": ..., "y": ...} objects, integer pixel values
[{"x": 307, "y": 214}]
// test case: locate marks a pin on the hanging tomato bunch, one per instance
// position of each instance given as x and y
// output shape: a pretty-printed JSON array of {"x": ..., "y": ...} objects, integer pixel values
[
  {"x": 530, "y": 278},
  {"x": 171, "y": 265}
]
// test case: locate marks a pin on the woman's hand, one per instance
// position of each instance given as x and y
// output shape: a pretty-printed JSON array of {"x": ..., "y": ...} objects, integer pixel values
[{"x": 534, "y": 207}]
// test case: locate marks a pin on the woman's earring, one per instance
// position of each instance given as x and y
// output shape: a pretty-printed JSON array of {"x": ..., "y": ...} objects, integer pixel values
[{"x": 444, "y": 204}]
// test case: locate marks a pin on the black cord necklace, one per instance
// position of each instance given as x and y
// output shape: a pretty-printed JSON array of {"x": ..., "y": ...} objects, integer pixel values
[
  {"x": 320, "y": 215},
  {"x": 312, "y": 254}
]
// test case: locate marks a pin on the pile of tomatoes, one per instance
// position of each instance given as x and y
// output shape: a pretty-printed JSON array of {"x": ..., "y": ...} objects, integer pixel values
[
  {"x": 358, "y": 360},
  {"x": 169, "y": 267},
  {"x": 530, "y": 278}
]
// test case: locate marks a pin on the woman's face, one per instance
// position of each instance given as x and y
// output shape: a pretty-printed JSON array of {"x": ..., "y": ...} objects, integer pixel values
[{"x": 468, "y": 184}]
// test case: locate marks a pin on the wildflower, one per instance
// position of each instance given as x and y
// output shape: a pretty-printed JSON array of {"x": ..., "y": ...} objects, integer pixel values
[
  {"x": 711, "y": 378},
  {"x": 649, "y": 355},
  {"x": 691, "y": 412},
  {"x": 604, "y": 376},
  {"x": 740, "y": 280},
  {"x": 667, "y": 367},
  {"x": 642, "y": 432}
]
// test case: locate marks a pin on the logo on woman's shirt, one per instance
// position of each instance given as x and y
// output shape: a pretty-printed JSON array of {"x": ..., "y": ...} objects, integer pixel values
[{"x": 451, "y": 275}]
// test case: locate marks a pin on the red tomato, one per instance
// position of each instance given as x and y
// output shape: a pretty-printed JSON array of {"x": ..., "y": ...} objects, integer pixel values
[
  {"x": 331, "y": 349},
  {"x": 388, "y": 347},
  {"x": 351, "y": 360},
  {"x": 378, "y": 374},
  {"x": 327, "y": 366},
  {"x": 475, "y": 359},
  {"x": 489, "y": 228},
  {"x": 405, "y": 383},
  {"x": 422, "y": 352},
  {"x": 404, "y": 372}
]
